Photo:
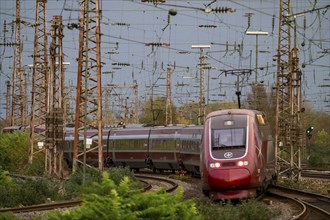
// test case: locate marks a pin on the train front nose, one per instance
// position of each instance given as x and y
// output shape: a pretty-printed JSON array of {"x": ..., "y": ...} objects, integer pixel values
[{"x": 229, "y": 178}]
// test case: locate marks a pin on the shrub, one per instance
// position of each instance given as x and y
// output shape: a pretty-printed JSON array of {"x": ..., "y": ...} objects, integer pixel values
[
  {"x": 14, "y": 148},
  {"x": 245, "y": 210},
  {"x": 117, "y": 174},
  {"x": 9, "y": 216},
  {"x": 74, "y": 185},
  {"x": 110, "y": 201}
]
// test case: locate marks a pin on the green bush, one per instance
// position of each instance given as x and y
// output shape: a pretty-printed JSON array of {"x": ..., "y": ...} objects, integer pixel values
[
  {"x": 110, "y": 201},
  {"x": 117, "y": 174},
  {"x": 9, "y": 216},
  {"x": 14, "y": 148},
  {"x": 74, "y": 185},
  {"x": 245, "y": 210},
  {"x": 28, "y": 192}
]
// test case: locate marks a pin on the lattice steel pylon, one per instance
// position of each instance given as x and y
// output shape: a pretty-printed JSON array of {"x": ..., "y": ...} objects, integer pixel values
[
  {"x": 55, "y": 121},
  {"x": 8, "y": 96},
  {"x": 39, "y": 103},
  {"x": 18, "y": 113},
  {"x": 288, "y": 133},
  {"x": 136, "y": 102},
  {"x": 88, "y": 118},
  {"x": 168, "y": 107}
]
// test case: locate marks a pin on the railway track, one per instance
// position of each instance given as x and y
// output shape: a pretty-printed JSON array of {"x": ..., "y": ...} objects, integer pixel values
[
  {"x": 158, "y": 182},
  {"x": 148, "y": 183},
  {"x": 316, "y": 174},
  {"x": 308, "y": 205}
]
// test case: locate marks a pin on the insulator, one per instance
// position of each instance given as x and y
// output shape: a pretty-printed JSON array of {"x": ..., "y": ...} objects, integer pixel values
[
  {"x": 226, "y": 46},
  {"x": 5, "y": 26},
  {"x": 121, "y": 24},
  {"x": 12, "y": 27},
  {"x": 207, "y": 26},
  {"x": 273, "y": 23},
  {"x": 223, "y": 9},
  {"x": 304, "y": 23},
  {"x": 154, "y": 44},
  {"x": 120, "y": 64},
  {"x": 235, "y": 46},
  {"x": 249, "y": 20},
  {"x": 153, "y": 1}
]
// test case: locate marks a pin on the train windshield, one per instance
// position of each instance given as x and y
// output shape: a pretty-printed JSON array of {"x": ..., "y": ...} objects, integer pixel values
[{"x": 228, "y": 138}]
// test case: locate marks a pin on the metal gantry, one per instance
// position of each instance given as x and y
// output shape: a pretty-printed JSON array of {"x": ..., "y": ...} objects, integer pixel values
[
  {"x": 88, "y": 118},
  {"x": 39, "y": 99},
  {"x": 201, "y": 113},
  {"x": 136, "y": 102},
  {"x": 288, "y": 133},
  {"x": 8, "y": 98},
  {"x": 55, "y": 120},
  {"x": 168, "y": 112},
  {"x": 18, "y": 113}
]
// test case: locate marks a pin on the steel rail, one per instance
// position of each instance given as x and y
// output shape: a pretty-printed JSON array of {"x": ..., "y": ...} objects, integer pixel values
[{"x": 316, "y": 206}]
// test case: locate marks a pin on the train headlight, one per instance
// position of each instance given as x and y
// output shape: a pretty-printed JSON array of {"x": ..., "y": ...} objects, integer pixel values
[
  {"x": 214, "y": 165},
  {"x": 242, "y": 163}
]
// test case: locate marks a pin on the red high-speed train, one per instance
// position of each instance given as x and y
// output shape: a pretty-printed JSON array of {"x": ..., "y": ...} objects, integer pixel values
[
  {"x": 233, "y": 151},
  {"x": 237, "y": 154}
]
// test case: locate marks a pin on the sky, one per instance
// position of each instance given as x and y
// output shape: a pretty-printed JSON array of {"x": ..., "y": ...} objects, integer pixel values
[{"x": 145, "y": 23}]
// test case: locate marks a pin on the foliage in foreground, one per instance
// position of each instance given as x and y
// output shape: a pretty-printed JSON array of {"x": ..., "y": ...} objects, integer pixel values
[
  {"x": 246, "y": 210},
  {"x": 110, "y": 201}
]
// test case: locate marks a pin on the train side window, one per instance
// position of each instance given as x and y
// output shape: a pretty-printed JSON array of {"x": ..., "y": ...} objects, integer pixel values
[{"x": 162, "y": 144}]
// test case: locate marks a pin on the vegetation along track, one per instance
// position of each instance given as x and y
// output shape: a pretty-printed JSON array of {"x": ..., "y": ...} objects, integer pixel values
[
  {"x": 311, "y": 205},
  {"x": 149, "y": 183}
]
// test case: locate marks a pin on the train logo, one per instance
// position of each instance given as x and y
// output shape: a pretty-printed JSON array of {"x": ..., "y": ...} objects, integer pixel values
[{"x": 228, "y": 155}]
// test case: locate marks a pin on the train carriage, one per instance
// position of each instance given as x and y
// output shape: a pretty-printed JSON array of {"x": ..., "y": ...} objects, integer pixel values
[
  {"x": 163, "y": 151},
  {"x": 127, "y": 147},
  {"x": 190, "y": 144}
]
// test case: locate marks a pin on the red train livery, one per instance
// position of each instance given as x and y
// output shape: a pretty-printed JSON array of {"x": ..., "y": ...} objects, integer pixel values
[{"x": 237, "y": 156}]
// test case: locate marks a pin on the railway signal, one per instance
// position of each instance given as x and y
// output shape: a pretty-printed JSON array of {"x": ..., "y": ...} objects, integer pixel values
[{"x": 309, "y": 131}]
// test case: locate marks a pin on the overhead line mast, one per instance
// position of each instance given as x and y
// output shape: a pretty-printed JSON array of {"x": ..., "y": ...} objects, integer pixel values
[
  {"x": 39, "y": 100},
  {"x": 288, "y": 133},
  {"x": 282, "y": 131},
  {"x": 18, "y": 112},
  {"x": 55, "y": 121},
  {"x": 88, "y": 118}
]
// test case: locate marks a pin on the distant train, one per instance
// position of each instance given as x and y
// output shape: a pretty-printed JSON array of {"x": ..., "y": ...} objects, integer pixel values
[
  {"x": 158, "y": 148},
  {"x": 237, "y": 154}
]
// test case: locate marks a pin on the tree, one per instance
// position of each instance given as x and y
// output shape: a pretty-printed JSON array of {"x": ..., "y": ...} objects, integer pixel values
[
  {"x": 153, "y": 112},
  {"x": 259, "y": 99},
  {"x": 14, "y": 148},
  {"x": 188, "y": 113}
]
